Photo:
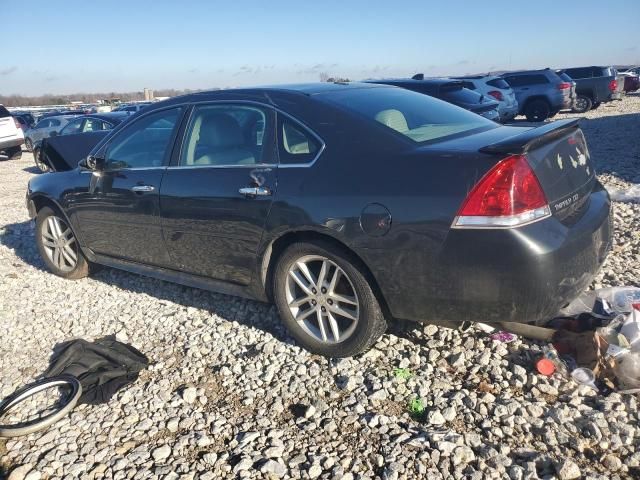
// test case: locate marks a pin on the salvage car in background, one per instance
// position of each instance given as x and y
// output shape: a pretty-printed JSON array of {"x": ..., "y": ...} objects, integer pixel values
[
  {"x": 452, "y": 91},
  {"x": 595, "y": 85},
  {"x": 540, "y": 93},
  {"x": 11, "y": 136},
  {"x": 631, "y": 81},
  {"x": 46, "y": 127},
  {"x": 346, "y": 204},
  {"x": 498, "y": 89},
  {"x": 51, "y": 154},
  {"x": 573, "y": 96}
]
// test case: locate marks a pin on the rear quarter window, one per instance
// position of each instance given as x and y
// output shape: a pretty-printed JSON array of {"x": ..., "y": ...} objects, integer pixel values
[{"x": 499, "y": 83}]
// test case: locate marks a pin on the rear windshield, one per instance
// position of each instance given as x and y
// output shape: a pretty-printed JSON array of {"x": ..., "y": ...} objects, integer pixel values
[
  {"x": 462, "y": 95},
  {"x": 418, "y": 117},
  {"x": 499, "y": 83},
  {"x": 4, "y": 112},
  {"x": 565, "y": 77}
]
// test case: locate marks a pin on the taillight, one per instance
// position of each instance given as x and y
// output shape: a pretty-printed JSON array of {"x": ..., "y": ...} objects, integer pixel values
[
  {"x": 564, "y": 86},
  {"x": 613, "y": 85},
  {"x": 509, "y": 195},
  {"x": 497, "y": 95}
]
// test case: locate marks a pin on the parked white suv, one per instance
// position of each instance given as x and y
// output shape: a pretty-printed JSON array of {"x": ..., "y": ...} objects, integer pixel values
[
  {"x": 498, "y": 89},
  {"x": 11, "y": 136}
]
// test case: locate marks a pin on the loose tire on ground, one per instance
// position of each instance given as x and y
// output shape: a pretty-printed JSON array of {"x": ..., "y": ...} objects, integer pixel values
[
  {"x": 332, "y": 295},
  {"x": 537, "y": 111},
  {"x": 58, "y": 246}
]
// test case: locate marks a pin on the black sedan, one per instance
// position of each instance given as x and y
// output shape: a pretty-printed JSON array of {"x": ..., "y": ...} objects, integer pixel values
[
  {"x": 348, "y": 205},
  {"x": 53, "y": 154},
  {"x": 452, "y": 91}
]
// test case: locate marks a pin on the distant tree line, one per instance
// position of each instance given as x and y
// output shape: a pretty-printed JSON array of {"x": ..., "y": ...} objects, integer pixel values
[{"x": 50, "y": 99}]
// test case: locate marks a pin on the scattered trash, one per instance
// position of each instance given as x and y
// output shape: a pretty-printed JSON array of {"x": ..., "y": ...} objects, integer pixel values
[
  {"x": 631, "y": 194},
  {"x": 545, "y": 367},
  {"x": 504, "y": 337},
  {"x": 585, "y": 376},
  {"x": 627, "y": 370},
  {"x": 403, "y": 373},
  {"x": 91, "y": 372}
]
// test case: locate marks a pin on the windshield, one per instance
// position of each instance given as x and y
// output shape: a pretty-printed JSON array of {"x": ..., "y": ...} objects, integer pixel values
[{"x": 418, "y": 117}]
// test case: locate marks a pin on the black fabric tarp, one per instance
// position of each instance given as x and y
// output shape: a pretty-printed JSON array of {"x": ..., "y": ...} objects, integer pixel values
[
  {"x": 102, "y": 367},
  {"x": 64, "y": 152}
]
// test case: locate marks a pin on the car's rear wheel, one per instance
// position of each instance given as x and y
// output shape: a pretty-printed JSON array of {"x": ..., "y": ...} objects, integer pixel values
[
  {"x": 42, "y": 165},
  {"x": 58, "y": 245},
  {"x": 28, "y": 145},
  {"x": 537, "y": 111},
  {"x": 325, "y": 300},
  {"x": 583, "y": 104}
]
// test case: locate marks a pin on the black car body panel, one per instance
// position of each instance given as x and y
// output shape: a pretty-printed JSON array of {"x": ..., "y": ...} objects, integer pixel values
[
  {"x": 64, "y": 153},
  {"x": 389, "y": 200}
]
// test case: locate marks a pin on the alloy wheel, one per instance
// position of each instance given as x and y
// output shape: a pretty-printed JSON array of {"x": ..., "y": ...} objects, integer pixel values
[
  {"x": 40, "y": 163},
  {"x": 322, "y": 299},
  {"x": 59, "y": 244}
]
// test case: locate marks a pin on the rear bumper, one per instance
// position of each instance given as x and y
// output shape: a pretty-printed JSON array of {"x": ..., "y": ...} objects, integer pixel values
[
  {"x": 11, "y": 142},
  {"x": 523, "y": 274}
]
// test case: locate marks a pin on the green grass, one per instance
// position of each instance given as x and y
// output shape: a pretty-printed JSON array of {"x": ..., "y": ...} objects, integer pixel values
[
  {"x": 403, "y": 373},
  {"x": 416, "y": 407}
]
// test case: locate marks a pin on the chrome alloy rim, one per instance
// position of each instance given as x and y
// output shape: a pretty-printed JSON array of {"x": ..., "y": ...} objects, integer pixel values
[
  {"x": 59, "y": 244},
  {"x": 322, "y": 299}
]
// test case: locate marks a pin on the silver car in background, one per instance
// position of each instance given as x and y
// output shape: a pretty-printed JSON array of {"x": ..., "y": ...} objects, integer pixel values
[
  {"x": 47, "y": 127},
  {"x": 497, "y": 89}
]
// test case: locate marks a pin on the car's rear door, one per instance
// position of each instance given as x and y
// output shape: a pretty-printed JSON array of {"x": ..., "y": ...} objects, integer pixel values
[
  {"x": 118, "y": 211},
  {"x": 216, "y": 196}
]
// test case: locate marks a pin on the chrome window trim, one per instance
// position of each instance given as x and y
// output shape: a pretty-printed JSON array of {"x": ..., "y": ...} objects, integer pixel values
[{"x": 258, "y": 165}]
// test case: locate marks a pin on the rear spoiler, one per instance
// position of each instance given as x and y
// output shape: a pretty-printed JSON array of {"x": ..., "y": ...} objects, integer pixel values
[{"x": 532, "y": 138}]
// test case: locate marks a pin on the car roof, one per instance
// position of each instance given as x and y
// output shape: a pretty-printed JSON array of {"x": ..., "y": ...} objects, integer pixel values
[
  {"x": 304, "y": 88},
  {"x": 119, "y": 116},
  {"x": 527, "y": 72},
  {"x": 428, "y": 81}
]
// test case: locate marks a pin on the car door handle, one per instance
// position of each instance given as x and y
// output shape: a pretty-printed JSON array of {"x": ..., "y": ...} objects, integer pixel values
[
  {"x": 255, "y": 191},
  {"x": 143, "y": 188}
]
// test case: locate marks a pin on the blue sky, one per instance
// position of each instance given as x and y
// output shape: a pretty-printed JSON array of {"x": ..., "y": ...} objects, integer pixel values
[{"x": 90, "y": 46}]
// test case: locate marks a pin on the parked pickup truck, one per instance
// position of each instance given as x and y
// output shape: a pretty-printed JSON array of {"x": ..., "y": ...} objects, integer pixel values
[
  {"x": 595, "y": 85},
  {"x": 11, "y": 136}
]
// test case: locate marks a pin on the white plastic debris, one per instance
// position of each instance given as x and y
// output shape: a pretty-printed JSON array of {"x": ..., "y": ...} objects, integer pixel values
[{"x": 631, "y": 194}]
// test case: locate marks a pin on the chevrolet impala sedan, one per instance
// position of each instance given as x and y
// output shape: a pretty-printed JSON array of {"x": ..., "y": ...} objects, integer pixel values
[{"x": 347, "y": 205}]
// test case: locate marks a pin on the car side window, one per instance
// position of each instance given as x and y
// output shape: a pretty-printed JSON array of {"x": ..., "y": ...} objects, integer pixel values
[
  {"x": 72, "y": 127},
  {"x": 225, "y": 135},
  {"x": 515, "y": 81},
  {"x": 43, "y": 123},
  {"x": 92, "y": 125},
  {"x": 296, "y": 145},
  {"x": 145, "y": 143}
]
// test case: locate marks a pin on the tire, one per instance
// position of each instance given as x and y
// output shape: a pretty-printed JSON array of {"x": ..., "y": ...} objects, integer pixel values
[
  {"x": 42, "y": 165},
  {"x": 14, "y": 153},
  {"x": 52, "y": 229},
  {"x": 537, "y": 110},
  {"x": 595, "y": 105},
  {"x": 363, "y": 322},
  {"x": 7, "y": 431},
  {"x": 28, "y": 144},
  {"x": 583, "y": 104}
]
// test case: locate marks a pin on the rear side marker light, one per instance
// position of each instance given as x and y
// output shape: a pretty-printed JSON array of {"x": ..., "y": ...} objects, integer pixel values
[
  {"x": 564, "y": 86},
  {"x": 509, "y": 195}
]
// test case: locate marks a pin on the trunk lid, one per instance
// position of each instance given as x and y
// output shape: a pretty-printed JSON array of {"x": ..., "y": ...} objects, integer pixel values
[{"x": 558, "y": 154}]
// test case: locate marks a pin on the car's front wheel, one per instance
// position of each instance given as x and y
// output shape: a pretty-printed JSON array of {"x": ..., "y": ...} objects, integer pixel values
[
  {"x": 326, "y": 301},
  {"x": 59, "y": 246},
  {"x": 42, "y": 165},
  {"x": 28, "y": 145}
]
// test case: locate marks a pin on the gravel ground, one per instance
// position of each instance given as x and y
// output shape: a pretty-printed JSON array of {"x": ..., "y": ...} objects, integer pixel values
[{"x": 230, "y": 396}]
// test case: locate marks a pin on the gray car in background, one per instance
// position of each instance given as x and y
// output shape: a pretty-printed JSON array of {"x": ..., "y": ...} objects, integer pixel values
[
  {"x": 46, "y": 127},
  {"x": 540, "y": 93}
]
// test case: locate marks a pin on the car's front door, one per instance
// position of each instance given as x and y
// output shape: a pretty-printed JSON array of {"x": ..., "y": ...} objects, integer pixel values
[
  {"x": 215, "y": 199},
  {"x": 119, "y": 213}
]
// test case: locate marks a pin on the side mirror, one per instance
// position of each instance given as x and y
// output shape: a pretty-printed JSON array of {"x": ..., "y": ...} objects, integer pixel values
[{"x": 92, "y": 163}]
